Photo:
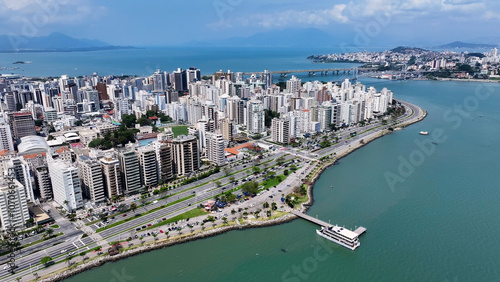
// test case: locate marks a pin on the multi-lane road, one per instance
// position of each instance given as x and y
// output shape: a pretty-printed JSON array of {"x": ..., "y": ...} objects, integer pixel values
[{"x": 71, "y": 242}]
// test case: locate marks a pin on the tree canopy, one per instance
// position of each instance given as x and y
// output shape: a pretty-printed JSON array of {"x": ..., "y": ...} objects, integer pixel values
[
  {"x": 269, "y": 117},
  {"x": 250, "y": 187},
  {"x": 120, "y": 137}
]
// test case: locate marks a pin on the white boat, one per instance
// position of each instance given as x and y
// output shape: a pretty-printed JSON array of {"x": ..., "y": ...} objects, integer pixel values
[
  {"x": 340, "y": 235},
  {"x": 424, "y": 133}
]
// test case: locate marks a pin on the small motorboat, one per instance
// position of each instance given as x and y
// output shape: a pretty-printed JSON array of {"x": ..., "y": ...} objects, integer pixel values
[{"x": 424, "y": 133}]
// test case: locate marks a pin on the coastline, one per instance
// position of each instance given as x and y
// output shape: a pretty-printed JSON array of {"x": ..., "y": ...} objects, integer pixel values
[{"x": 180, "y": 239}]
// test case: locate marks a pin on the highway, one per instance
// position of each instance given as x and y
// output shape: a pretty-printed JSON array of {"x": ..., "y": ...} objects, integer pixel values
[{"x": 69, "y": 242}]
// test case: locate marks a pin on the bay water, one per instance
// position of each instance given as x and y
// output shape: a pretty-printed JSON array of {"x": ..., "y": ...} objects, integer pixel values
[
  {"x": 438, "y": 221},
  {"x": 440, "y": 224}
]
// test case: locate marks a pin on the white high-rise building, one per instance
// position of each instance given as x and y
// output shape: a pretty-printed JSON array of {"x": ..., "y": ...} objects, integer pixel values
[
  {"x": 149, "y": 165},
  {"x": 293, "y": 85},
  {"x": 13, "y": 205},
  {"x": 92, "y": 181},
  {"x": 185, "y": 154},
  {"x": 111, "y": 176},
  {"x": 130, "y": 171},
  {"x": 325, "y": 116},
  {"x": 215, "y": 148},
  {"x": 65, "y": 184},
  {"x": 256, "y": 117},
  {"x": 23, "y": 175},
  {"x": 280, "y": 131},
  {"x": 6, "y": 142}
]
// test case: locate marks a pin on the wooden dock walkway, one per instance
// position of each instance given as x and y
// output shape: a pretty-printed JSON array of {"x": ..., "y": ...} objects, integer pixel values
[
  {"x": 360, "y": 230},
  {"x": 310, "y": 218}
]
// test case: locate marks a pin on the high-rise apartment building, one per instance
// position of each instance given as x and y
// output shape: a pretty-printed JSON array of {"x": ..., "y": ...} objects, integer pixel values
[
  {"x": 215, "y": 148},
  {"x": 280, "y": 131},
  {"x": 148, "y": 165},
  {"x": 91, "y": 179},
  {"x": 185, "y": 154},
  {"x": 164, "y": 156},
  {"x": 111, "y": 176},
  {"x": 22, "y": 124},
  {"x": 6, "y": 142},
  {"x": 65, "y": 184},
  {"x": 13, "y": 205},
  {"x": 130, "y": 171},
  {"x": 256, "y": 117}
]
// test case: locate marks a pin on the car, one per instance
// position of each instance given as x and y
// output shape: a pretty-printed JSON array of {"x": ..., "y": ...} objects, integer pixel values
[
  {"x": 144, "y": 226},
  {"x": 138, "y": 229},
  {"x": 136, "y": 236},
  {"x": 163, "y": 219},
  {"x": 149, "y": 224},
  {"x": 124, "y": 215},
  {"x": 161, "y": 231}
]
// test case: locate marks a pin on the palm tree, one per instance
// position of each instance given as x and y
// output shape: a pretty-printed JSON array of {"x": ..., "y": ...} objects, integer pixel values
[
  {"x": 166, "y": 234},
  {"x": 66, "y": 203},
  {"x": 49, "y": 232},
  {"x": 256, "y": 213},
  {"x": 224, "y": 219},
  {"x": 82, "y": 254},
  {"x": 133, "y": 207},
  {"x": 202, "y": 226}
]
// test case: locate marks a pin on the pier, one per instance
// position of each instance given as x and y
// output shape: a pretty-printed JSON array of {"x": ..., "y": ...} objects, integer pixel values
[{"x": 360, "y": 230}]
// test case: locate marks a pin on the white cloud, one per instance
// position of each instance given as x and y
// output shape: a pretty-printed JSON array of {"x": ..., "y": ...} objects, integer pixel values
[
  {"x": 413, "y": 8},
  {"x": 462, "y": 6},
  {"x": 45, "y": 12},
  {"x": 290, "y": 18},
  {"x": 17, "y": 4},
  {"x": 490, "y": 15}
]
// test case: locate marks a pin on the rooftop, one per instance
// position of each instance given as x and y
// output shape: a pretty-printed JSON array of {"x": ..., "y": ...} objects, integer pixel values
[{"x": 32, "y": 144}]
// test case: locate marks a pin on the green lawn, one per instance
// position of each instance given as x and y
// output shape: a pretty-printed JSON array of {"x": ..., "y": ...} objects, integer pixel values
[
  {"x": 274, "y": 181},
  {"x": 180, "y": 130},
  {"x": 190, "y": 214},
  {"x": 54, "y": 226}
]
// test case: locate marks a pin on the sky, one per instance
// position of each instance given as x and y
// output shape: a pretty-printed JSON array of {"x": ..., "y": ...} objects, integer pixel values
[{"x": 168, "y": 22}]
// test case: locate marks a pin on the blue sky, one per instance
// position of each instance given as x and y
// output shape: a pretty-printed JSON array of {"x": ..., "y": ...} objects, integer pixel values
[{"x": 156, "y": 22}]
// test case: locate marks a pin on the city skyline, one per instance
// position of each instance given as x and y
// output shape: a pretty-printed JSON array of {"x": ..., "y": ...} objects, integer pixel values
[{"x": 360, "y": 22}]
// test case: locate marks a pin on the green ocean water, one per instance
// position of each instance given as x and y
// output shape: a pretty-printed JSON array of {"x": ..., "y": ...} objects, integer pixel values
[{"x": 440, "y": 224}]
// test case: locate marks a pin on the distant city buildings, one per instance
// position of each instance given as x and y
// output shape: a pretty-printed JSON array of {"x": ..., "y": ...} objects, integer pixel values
[{"x": 85, "y": 141}]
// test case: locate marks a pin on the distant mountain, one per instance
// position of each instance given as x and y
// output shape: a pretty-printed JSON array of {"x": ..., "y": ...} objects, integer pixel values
[
  {"x": 306, "y": 37},
  {"x": 55, "y": 42},
  {"x": 406, "y": 50},
  {"x": 464, "y": 45}
]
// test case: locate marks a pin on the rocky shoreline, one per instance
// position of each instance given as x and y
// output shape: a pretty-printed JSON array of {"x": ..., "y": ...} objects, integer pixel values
[
  {"x": 163, "y": 244},
  {"x": 99, "y": 261}
]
